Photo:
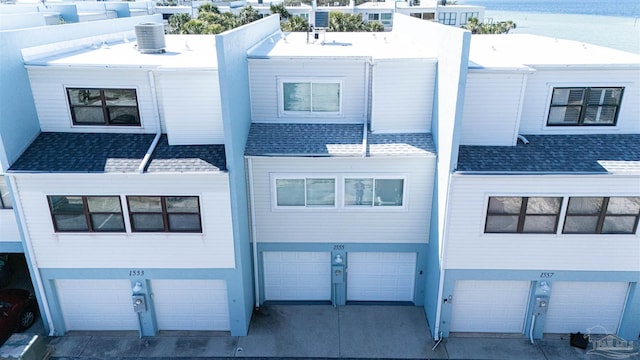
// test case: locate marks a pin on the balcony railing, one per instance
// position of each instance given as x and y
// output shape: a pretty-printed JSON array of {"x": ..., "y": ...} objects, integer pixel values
[{"x": 332, "y": 3}]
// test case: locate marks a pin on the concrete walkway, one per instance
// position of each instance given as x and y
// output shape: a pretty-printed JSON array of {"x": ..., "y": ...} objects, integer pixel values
[{"x": 316, "y": 331}]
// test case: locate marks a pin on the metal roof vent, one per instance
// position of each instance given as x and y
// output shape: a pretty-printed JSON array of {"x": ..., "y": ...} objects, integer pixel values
[{"x": 150, "y": 38}]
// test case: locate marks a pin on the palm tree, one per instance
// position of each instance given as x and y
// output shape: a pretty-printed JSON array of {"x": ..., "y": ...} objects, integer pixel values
[
  {"x": 248, "y": 14},
  {"x": 295, "y": 23},
  {"x": 281, "y": 10}
]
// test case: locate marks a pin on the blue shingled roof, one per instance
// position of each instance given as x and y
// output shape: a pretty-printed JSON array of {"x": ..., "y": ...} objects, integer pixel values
[
  {"x": 181, "y": 158},
  {"x": 83, "y": 152},
  {"x": 601, "y": 153},
  {"x": 114, "y": 152},
  {"x": 331, "y": 140}
]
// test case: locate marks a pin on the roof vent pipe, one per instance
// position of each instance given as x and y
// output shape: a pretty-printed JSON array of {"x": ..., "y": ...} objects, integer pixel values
[
  {"x": 523, "y": 139},
  {"x": 150, "y": 38}
]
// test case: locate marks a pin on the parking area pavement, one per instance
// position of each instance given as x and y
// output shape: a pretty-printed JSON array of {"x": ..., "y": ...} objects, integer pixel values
[{"x": 318, "y": 331}]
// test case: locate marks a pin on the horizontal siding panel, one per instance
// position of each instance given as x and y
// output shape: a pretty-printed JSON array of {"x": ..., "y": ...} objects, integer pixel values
[
  {"x": 191, "y": 107},
  {"x": 48, "y": 88},
  {"x": 538, "y": 97},
  {"x": 491, "y": 104},
  {"x": 263, "y": 78},
  {"x": 469, "y": 248},
  {"x": 213, "y": 248},
  {"x": 402, "y": 98},
  {"x": 410, "y": 225}
]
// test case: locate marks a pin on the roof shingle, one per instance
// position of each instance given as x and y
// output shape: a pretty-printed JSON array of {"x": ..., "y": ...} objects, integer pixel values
[{"x": 598, "y": 153}]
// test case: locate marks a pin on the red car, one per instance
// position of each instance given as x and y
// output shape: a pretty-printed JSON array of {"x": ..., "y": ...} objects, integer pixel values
[{"x": 18, "y": 310}]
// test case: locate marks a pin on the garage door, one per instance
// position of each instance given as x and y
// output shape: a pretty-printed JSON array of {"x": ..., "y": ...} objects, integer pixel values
[
  {"x": 191, "y": 304},
  {"x": 380, "y": 276},
  {"x": 97, "y": 304},
  {"x": 576, "y": 306},
  {"x": 297, "y": 275},
  {"x": 489, "y": 306}
]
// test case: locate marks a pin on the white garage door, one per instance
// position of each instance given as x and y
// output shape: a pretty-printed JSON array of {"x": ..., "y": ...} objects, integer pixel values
[
  {"x": 191, "y": 304},
  {"x": 577, "y": 306},
  {"x": 97, "y": 304},
  {"x": 297, "y": 275},
  {"x": 380, "y": 276},
  {"x": 489, "y": 306}
]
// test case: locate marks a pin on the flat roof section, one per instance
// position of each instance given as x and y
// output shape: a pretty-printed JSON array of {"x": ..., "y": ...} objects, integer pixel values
[{"x": 192, "y": 52}]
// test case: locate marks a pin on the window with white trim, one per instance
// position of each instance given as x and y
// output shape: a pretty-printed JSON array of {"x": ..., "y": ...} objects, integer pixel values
[
  {"x": 5, "y": 198},
  {"x": 369, "y": 192},
  {"x": 584, "y": 106},
  {"x": 305, "y": 192},
  {"x": 104, "y": 106},
  {"x": 522, "y": 214},
  {"x": 315, "y": 96},
  {"x": 602, "y": 215}
]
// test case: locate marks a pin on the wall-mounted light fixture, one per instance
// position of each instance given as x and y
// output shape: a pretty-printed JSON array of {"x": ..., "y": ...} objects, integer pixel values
[
  {"x": 338, "y": 259},
  {"x": 544, "y": 286},
  {"x": 137, "y": 287}
]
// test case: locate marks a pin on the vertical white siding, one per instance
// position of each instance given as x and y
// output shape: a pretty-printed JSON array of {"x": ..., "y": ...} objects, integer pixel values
[
  {"x": 538, "y": 97},
  {"x": 340, "y": 224},
  {"x": 191, "y": 107},
  {"x": 402, "y": 95},
  {"x": 263, "y": 79},
  {"x": 468, "y": 247},
  {"x": 491, "y": 105},
  {"x": 48, "y": 88},
  {"x": 211, "y": 249}
]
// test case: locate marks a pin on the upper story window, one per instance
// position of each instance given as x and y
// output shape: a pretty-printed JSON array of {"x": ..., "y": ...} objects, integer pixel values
[
  {"x": 465, "y": 16},
  {"x": 86, "y": 213},
  {"x": 305, "y": 192},
  {"x": 104, "y": 106},
  {"x": 602, "y": 215},
  {"x": 584, "y": 106},
  {"x": 373, "y": 192},
  {"x": 447, "y": 18},
  {"x": 164, "y": 213},
  {"x": 318, "y": 97},
  {"x": 523, "y": 215},
  {"x": 5, "y": 198}
]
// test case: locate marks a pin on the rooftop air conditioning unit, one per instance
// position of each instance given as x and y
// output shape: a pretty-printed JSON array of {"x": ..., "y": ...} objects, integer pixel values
[{"x": 150, "y": 38}]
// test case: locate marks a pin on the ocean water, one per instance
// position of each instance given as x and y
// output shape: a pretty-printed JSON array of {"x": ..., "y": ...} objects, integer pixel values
[{"x": 610, "y": 23}]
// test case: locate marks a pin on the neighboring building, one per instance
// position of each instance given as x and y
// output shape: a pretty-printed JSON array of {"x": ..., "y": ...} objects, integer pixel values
[
  {"x": 341, "y": 161},
  {"x": 23, "y": 15},
  {"x": 548, "y": 219},
  {"x": 127, "y": 189}
]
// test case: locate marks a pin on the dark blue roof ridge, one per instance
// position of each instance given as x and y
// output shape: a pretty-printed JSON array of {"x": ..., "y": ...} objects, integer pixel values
[{"x": 590, "y": 153}]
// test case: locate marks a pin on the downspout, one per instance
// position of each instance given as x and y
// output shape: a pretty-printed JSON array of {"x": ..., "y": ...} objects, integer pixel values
[
  {"x": 254, "y": 244},
  {"x": 29, "y": 248},
  {"x": 154, "y": 143},
  {"x": 367, "y": 104},
  {"x": 443, "y": 258},
  {"x": 520, "y": 106}
]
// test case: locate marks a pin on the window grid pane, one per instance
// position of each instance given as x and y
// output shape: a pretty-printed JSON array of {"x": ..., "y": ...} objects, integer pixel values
[
  {"x": 290, "y": 192},
  {"x": 389, "y": 192},
  {"x": 358, "y": 192},
  {"x": 165, "y": 213},
  {"x": 523, "y": 215},
  {"x": 321, "y": 192},
  {"x": 584, "y": 106}
]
